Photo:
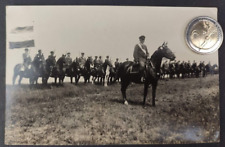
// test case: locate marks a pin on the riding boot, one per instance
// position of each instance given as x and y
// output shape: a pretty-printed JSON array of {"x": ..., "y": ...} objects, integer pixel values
[{"x": 142, "y": 75}]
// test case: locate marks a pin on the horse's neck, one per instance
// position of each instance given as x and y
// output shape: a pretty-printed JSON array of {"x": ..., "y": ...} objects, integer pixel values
[{"x": 156, "y": 60}]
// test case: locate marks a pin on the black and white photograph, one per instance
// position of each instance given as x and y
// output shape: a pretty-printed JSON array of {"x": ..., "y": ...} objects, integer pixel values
[{"x": 111, "y": 75}]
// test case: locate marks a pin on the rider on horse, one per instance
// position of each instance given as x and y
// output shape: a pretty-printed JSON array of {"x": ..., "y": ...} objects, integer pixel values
[
  {"x": 82, "y": 60},
  {"x": 68, "y": 59},
  {"x": 51, "y": 59},
  {"x": 100, "y": 62},
  {"x": 140, "y": 54},
  {"x": 39, "y": 59},
  {"x": 26, "y": 59},
  {"x": 96, "y": 64},
  {"x": 107, "y": 59},
  {"x": 117, "y": 64}
]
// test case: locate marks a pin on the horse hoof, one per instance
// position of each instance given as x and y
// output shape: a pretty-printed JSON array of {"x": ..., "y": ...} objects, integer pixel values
[{"x": 126, "y": 103}]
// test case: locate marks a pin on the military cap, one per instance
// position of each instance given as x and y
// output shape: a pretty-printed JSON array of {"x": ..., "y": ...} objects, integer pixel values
[
  {"x": 107, "y": 56},
  {"x": 68, "y": 53},
  {"x": 26, "y": 49},
  {"x": 142, "y": 37},
  {"x": 52, "y": 52},
  {"x": 39, "y": 50},
  {"x": 82, "y": 53}
]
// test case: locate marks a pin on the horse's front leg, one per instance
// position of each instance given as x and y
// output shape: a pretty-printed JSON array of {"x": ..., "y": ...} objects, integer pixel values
[
  {"x": 154, "y": 85},
  {"x": 106, "y": 80},
  {"x": 146, "y": 85},
  {"x": 124, "y": 86},
  {"x": 55, "y": 80},
  {"x": 20, "y": 79},
  {"x": 78, "y": 77}
]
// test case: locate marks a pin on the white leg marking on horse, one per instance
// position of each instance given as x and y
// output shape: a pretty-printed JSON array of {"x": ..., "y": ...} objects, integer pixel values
[{"x": 126, "y": 103}]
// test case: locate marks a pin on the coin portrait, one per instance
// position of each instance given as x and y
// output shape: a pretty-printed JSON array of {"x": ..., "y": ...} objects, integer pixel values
[{"x": 204, "y": 35}]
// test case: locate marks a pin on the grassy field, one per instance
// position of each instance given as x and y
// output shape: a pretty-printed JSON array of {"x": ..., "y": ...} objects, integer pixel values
[{"x": 186, "y": 111}]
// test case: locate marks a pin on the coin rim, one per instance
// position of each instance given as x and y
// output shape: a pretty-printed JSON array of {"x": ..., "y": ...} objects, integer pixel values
[{"x": 215, "y": 47}]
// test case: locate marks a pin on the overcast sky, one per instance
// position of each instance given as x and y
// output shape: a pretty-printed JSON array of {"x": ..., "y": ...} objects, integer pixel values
[{"x": 102, "y": 30}]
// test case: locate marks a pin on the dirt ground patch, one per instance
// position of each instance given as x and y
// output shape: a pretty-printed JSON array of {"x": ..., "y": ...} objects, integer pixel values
[{"x": 186, "y": 111}]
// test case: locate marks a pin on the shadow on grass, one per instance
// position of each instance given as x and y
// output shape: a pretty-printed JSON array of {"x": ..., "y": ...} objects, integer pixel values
[{"x": 131, "y": 102}]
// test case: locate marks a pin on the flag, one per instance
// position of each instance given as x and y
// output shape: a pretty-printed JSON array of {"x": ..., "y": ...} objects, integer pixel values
[
  {"x": 22, "y": 29},
  {"x": 21, "y": 37},
  {"x": 21, "y": 44}
]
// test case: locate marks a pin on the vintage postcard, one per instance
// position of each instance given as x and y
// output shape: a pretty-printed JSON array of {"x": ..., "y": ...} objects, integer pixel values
[{"x": 100, "y": 75}]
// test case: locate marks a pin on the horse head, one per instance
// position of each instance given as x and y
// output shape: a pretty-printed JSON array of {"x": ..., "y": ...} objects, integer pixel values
[{"x": 166, "y": 52}]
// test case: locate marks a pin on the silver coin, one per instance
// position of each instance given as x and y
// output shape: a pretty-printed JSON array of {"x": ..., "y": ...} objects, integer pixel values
[{"x": 204, "y": 35}]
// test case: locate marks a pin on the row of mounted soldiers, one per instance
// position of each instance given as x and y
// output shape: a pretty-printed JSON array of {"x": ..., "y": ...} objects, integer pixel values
[
  {"x": 169, "y": 69},
  {"x": 64, "y": 66},
  {"x": 184, "y": 69},
  {"x": 40, "y": 57}
]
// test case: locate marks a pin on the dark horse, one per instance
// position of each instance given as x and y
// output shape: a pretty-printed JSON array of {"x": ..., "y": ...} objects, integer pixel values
[
  {"x": 102, "y": 72},
  {"x": 72, "y": 71},
  {"x": 58, "y": 70},
  {"x": 84, "y": 71},
  {"x": 33, "y": 72},
  {"x": 152, "y": 71},
  {"x": 24, "y": 73}
]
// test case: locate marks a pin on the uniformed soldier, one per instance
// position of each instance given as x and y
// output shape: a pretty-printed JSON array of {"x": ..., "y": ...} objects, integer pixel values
[
  {"x": 116, "y": 63},
  {"x": 68, "y": 59},
  {"x": 26, "y": 59},
  {"x": 194, "y": 64},
  {"x": 39, "y": 57},
  {"x": 100, "y": 60},
  {"x": 140, "y": 54},
  {"x": 107, "y": 59},
  {"x": 51, "y": 58},
  {"x": 96, "y": 64},
  {"x": 39, "y": 60},
  {"x": 82, "y": 60}
]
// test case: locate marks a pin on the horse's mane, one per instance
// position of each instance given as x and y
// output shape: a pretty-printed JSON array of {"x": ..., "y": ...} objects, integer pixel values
[
  {"x": 155, "y": 54},
  {"x": 156, "y": 59}
]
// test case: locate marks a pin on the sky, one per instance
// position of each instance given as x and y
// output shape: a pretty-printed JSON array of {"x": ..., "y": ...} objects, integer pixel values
[{"x": 102, "y": 30}]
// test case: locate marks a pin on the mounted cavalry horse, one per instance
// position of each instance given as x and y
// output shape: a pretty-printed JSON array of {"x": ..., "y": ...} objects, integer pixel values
[
  {"x": 54, "y": 69},
  {"x": 152, "y": 71},
  {"x": 82, "y": 70},
  {"x": 102, "y": 72},
  {"x": 33, "y": 72},
  {"x": 59, "y": 70}
]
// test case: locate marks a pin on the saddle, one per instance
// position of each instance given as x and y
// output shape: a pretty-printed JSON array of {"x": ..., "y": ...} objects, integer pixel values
[{"x": 134, "y": 69}]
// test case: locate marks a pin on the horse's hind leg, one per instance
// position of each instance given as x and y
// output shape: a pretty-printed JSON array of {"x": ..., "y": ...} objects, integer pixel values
[
  {"x": 14, "y": 78},
  {"x": 145, "y": 92},
  {"x": 71, "y": 79},
  {"x": 154, "y": 85}
]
